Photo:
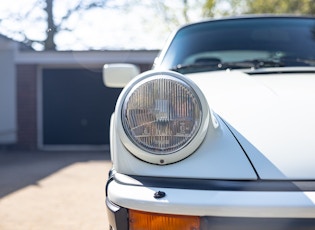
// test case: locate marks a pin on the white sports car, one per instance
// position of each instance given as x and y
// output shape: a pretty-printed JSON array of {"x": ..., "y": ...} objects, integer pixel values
[{"x": 220, "y": 134}]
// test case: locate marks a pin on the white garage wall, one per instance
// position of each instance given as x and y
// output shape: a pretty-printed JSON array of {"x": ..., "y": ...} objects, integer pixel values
[{"x": 8, "y": 113}]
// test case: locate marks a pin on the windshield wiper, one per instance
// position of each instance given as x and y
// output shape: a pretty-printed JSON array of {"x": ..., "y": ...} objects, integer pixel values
[
  {"x": 253, "y": 63},
  {"x": 196, "y": 67},
  {"x": 293, "y": 61},
  {"x": 211, "y": 66}
]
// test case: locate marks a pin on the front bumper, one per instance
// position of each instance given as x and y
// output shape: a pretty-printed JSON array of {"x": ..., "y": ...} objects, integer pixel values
[
  {"x": 219, "y": 203},
  {"x": 117, "y": 216}
]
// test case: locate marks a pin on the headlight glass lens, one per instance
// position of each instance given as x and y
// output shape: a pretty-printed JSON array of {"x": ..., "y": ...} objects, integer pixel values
[{"x": 161, "y": 114}]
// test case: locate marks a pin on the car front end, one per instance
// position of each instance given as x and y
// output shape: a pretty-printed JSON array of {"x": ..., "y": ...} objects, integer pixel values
[{"x": 216, "y": 139}]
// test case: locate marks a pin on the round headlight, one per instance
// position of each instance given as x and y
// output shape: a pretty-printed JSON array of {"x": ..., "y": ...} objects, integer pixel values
[{"x": 161, "y": 115}]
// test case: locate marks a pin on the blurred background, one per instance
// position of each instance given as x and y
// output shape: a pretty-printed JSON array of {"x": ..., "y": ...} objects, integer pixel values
[{"x": 52, "y": 52}]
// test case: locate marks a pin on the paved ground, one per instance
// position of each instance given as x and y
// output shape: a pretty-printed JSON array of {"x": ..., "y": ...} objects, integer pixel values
[{"x": 53, "y": 190}]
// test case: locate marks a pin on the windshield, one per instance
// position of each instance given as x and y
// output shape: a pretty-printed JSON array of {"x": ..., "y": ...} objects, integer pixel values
[{"x": 234, "y": 43}]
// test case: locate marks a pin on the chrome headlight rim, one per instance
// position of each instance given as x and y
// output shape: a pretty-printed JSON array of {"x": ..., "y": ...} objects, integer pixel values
[{"x": 172, "y": 156}]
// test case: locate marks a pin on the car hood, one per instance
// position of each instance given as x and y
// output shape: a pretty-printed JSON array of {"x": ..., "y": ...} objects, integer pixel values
[{"x": 272, "y": 115}]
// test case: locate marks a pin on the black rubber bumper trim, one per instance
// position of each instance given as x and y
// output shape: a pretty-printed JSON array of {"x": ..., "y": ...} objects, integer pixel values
[
  {"x": 117, "y": 216},
  {"x": 241, "y": 223},
  {"x": 209, "y": 184}
]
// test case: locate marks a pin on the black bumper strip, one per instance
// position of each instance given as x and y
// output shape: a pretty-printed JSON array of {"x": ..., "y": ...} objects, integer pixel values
[
  {"x": 117, "y": 216},
  {"x": 239, "y": 223},
  {"x": 209, "y": 184}
]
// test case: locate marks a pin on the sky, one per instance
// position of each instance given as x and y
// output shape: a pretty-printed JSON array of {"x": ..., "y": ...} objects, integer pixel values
[{"x": 137, "y": 28}]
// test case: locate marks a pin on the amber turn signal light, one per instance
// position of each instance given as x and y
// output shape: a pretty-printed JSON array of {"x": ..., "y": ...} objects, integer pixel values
[{"x": 139, "y": 220}]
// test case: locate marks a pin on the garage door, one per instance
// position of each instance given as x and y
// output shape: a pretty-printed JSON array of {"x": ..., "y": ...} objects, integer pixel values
[{"x": 76, "y": 108}]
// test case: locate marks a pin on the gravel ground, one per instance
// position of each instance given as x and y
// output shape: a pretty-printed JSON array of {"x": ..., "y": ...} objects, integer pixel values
[{"x": 53, "y": 190}]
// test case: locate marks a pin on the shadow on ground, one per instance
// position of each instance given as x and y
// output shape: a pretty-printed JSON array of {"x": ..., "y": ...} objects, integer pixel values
[{"x": 20, "y": 169}]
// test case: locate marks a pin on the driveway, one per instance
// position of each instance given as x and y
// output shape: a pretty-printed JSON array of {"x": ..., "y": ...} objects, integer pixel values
[{"x": 53, "y": 190}]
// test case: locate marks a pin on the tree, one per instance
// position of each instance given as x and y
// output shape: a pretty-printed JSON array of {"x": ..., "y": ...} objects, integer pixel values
[
  {"x": 207, "y": 9},
  {"x": 214, "y": 8},
  {"x": 306, "y": 7},
  {"x": 39, "y": 17},
  {"x": 219, "y": 8},
  {"x": 53, "y": 27},
  {"x": 174, "y": 13},
  {"x": 49, "y": 43}
]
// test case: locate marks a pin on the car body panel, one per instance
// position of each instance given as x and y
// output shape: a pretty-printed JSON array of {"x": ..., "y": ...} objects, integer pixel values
[{"x": 260, "y": 108}]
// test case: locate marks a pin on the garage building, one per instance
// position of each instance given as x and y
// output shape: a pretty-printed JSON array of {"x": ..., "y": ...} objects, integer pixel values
[{"x": 57, "y": 100}]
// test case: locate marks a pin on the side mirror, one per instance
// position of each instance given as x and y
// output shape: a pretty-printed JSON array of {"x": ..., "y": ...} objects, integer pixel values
[{"x": 118, "y": 75}]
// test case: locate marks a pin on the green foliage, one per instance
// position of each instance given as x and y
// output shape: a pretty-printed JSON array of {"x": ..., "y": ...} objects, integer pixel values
[
  {"x": 217, "y": 8},
  {"x": 305, "y": 7},
  {"x": 207, "y": 8},
  {"x": 213, "y": 8}
]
